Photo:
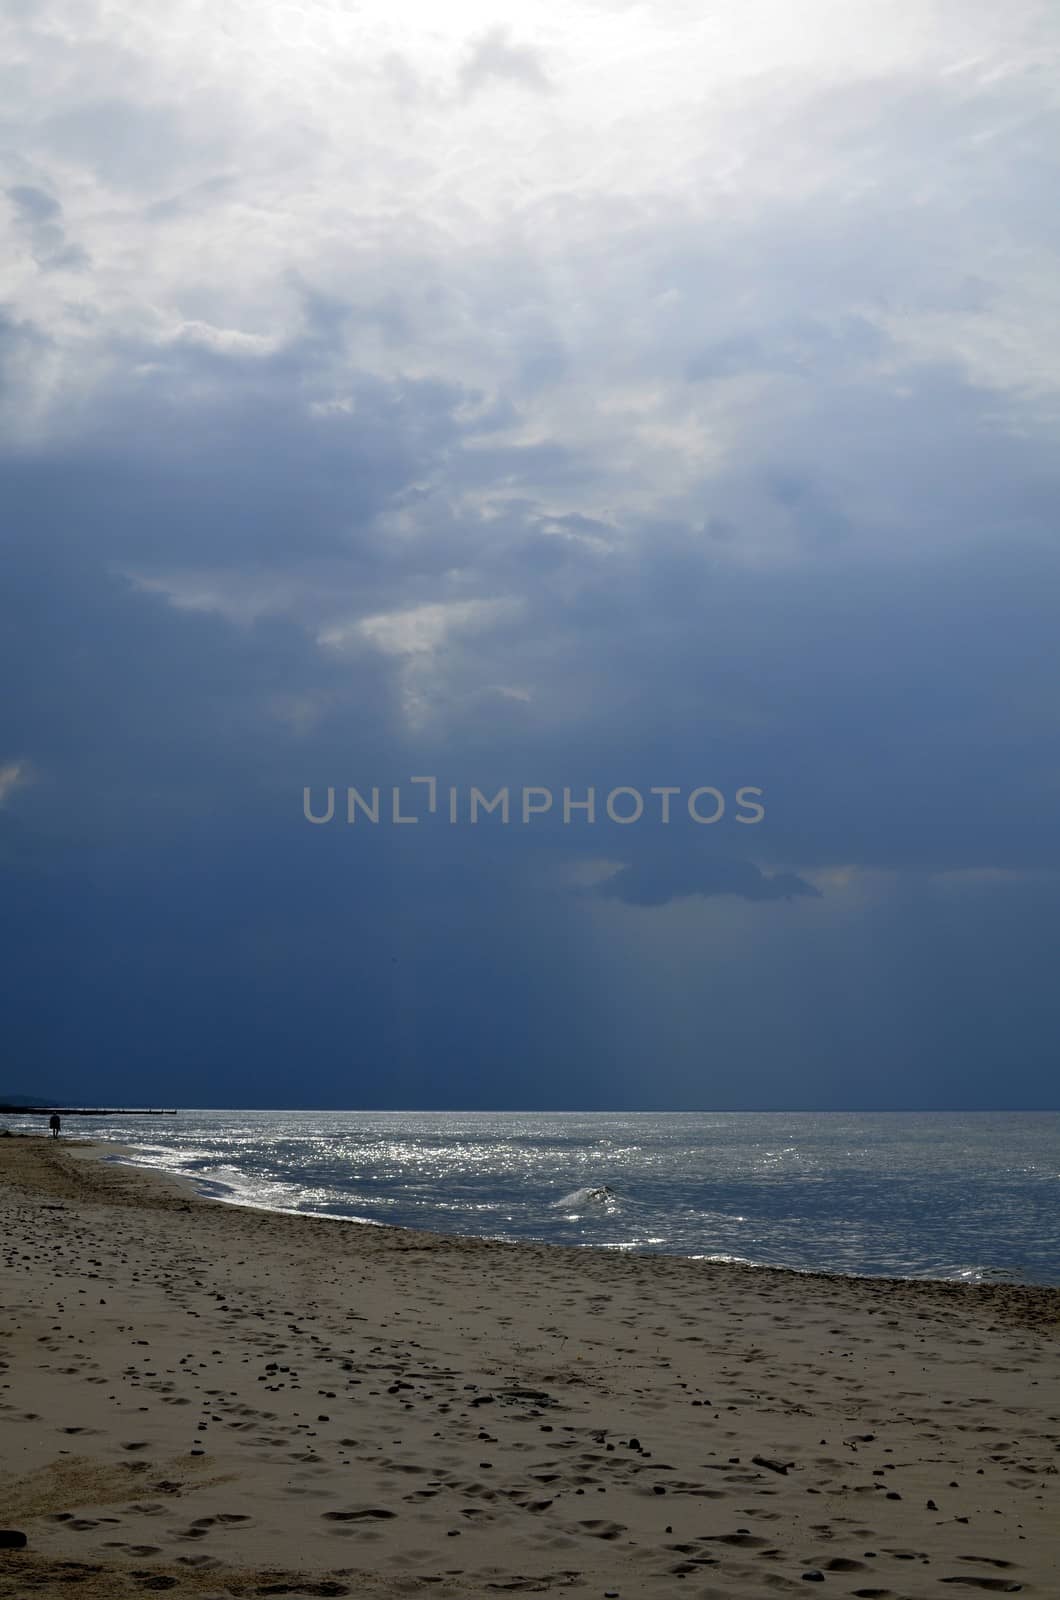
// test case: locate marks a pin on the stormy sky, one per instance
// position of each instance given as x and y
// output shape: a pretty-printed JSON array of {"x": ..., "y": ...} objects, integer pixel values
[{"x": 595, "y": 396}]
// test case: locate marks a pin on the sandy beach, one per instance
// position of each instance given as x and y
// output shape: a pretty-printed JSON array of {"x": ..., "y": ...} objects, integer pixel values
[{"x": 212, "y": 1401}]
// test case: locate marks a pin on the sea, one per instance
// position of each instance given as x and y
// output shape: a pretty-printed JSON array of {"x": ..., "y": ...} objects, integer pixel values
[{"x": 970, "y": 1196}]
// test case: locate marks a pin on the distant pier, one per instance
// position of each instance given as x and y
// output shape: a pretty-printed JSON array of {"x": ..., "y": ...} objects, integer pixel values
[{"x": 86, "y": 1111}]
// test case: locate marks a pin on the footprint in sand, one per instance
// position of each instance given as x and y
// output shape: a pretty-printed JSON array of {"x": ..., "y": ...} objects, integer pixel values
[
  {"x": 357, "y": 1516},
  {"x": 325, "y": 1588},
  {"x": 993, "y": 1585},
  {"x": 742, "y": 1540}
]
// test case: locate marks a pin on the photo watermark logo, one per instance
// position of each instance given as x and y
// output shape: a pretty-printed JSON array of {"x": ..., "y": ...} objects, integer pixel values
[{"x": 388, "y": 804}]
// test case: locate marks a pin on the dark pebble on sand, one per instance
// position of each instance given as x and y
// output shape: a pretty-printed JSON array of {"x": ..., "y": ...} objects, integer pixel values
[{"x": 814, "y": 1576}]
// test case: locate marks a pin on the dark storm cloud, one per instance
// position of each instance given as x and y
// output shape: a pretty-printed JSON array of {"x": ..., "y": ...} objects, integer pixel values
[
  {"x": 657, "y": 882},
  {"x": 362, "y": 451}
]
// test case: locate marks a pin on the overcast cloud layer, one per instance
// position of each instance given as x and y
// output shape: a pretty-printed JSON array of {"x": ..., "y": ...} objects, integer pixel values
[{"x": 606, "y": 395}]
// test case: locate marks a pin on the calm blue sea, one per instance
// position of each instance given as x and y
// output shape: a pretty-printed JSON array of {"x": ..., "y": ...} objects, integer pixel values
[{"x": 923, "y": 1195}]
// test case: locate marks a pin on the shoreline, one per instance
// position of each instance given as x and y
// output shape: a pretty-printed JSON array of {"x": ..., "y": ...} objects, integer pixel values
[
  {"x": 212, "y": 1399},
  {"x": 232, "y": 1197},
  {"x": 241, "y": 1203}
]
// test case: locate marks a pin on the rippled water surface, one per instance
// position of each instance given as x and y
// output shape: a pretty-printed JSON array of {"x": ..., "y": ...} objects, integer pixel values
[{"x": 909, "y": 1194}]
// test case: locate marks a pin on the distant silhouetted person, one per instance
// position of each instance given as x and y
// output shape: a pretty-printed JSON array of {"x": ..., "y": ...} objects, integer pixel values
[{"x": 55, "y": 1123}]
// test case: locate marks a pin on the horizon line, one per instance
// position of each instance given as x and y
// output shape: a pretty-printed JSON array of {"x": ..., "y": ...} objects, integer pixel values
[{"x": 635, "y": 1111}]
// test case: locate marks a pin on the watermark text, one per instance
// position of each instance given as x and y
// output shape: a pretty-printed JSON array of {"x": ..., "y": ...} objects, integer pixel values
[{"x": 398, "y": 806}]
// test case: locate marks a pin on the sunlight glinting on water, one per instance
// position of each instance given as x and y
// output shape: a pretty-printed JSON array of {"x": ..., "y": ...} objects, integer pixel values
[{"x": 961, "y": 1196}]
